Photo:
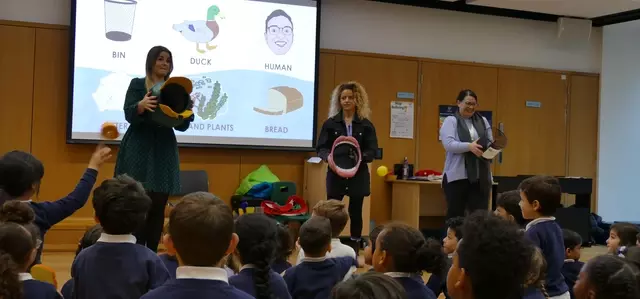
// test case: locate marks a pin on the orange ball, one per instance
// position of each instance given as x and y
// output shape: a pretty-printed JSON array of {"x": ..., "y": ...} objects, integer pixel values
[{"x": 109, "y": 130}]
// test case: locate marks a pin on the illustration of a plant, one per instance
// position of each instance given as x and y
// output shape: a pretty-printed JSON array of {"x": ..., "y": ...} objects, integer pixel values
[{"x": 208, "y": 109}]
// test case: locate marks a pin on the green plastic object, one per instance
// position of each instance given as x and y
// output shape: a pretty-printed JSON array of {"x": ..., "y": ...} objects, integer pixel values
[
  {"x": 261, "y": 175},
  {"x": 282, "y": 191}
]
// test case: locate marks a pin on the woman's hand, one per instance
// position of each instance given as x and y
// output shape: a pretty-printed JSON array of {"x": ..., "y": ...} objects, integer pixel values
[
  {"x": 475, "y": 148},
  {"x": 102, "y": 154},
  {"x": 148, "y": 103}
]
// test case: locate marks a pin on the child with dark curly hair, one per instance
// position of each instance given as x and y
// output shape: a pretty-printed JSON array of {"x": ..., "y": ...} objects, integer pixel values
[
  {"x": 370, "y": 285},
  {"x": 610, "y": 277},
  {"x": 621, "y": 236},
  {"x": 256, "y": 250},
  {"x": 403, "y": 253},
  {"x": 492, "y": 261}
]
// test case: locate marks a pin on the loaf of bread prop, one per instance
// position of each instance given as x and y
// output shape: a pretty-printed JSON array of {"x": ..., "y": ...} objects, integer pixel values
[
  {"x": 174, "y": 102},
  {"x": 281, "y": 100}
]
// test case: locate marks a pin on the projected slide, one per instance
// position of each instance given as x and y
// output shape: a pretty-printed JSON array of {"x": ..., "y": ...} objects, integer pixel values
[{"x": 252, "y": 64}]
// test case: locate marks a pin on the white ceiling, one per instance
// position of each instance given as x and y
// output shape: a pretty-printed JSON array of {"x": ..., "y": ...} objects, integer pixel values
[{"x": 573, "y": 8}]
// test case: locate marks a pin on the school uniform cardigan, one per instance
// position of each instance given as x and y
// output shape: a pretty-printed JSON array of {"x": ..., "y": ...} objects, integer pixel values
[
  {"x": 547, "y": 235},
  {"x": 116, "y": 267},
  {"x": 198, "y": 283},
  {"x": 413, "y": 285},
  {"x": 34, "y": 289},
  {"x": 315, "y": 277},
  {"x": 50, "y": 213},
  {"x": 245, "y": 282}
]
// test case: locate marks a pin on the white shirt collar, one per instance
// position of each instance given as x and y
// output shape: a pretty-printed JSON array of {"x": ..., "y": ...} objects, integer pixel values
[
  {"x": 314, "y": 259},
  {"x": 107, "y": 238},
  {"x": 538, "y": 220},
  {"x": 569, "y": 261},
  {"x": 247, "y": 266},
  {"x": 207, "y": 273},
  {"x": 25, "y": 276},
  {"x": 400, "y": 274}
]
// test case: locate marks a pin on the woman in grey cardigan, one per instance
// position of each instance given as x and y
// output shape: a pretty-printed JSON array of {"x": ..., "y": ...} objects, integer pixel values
[{"x": 467, "y": 176}]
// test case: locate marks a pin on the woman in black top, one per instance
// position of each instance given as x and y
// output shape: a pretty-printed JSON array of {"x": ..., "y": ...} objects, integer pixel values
[{"x": 349, "y": 116}]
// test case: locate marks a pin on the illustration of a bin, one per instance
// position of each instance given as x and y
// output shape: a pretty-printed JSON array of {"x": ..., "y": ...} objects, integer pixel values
[{"x": 118, "y": 19}]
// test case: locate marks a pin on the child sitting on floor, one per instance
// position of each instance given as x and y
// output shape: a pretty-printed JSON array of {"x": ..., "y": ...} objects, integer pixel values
[
  {"x": 21, "y": 174},
  {"x": 508, "y": 207},
  {"x": 117, "y": 267},
  {"x": 492, "y": 261},
  {"x": 335, "y": 211},
  {"x": 572, "y": 264},
  {"x": 403, "y": 253},
  {"x": 371, "y": 285},
  {"x": 284, "y": 250},
  {"x": 437, "y": 281},
  {"x": 169, "y": 256},
  {"x": 201, "y": 229},
  {"x": 609, "y": 276},
  {"x": 371, "y": 246},
  {"x": 621, "y": 236},
  {"x": 540, "y": 198},
  {"x": 256, "y": 249},
  {"x": 89, "y": 238},
  {"x": 317, "y": 274},
  {"x": 19, "y": 243}
]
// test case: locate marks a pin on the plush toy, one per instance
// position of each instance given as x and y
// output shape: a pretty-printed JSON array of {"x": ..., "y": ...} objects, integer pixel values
[
  {"x": 345, "y": 157},
  {"x": 174, "y": 101}
]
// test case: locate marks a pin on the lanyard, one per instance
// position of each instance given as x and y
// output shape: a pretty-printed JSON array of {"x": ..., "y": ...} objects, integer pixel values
[{"x": 349, "y": 130}]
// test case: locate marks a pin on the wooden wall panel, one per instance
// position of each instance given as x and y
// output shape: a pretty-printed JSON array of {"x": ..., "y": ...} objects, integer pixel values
[
  {"x": 583, "y": 128},
  {"x": 537, "y": 136},
  {"x": 16, "y": 83},
  {"x": 382, "y": 78},
  {"x": 441, "y": 83},
  {"x": 326, "y": 84}
]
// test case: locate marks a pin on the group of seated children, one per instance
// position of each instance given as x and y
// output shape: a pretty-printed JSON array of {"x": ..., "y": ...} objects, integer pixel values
[{"x": 212, "y": 255}]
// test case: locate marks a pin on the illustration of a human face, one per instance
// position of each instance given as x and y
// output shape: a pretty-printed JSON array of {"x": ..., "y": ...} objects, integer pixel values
[{"x": 279, "y": 34}]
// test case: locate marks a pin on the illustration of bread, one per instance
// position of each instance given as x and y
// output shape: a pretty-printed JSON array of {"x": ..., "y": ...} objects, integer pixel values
[{"x": 281, "y": 100}]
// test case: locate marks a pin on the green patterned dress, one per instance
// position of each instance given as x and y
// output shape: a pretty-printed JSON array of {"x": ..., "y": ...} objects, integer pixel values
[{"x": 148, "y": 152}]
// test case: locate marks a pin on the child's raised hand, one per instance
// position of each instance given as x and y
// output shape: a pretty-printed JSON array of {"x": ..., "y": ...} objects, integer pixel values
[{"x": 100, "y": 155}]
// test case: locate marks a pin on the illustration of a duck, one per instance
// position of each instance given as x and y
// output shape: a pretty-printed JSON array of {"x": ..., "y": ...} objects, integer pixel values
[{"x": 202, "y": 32}]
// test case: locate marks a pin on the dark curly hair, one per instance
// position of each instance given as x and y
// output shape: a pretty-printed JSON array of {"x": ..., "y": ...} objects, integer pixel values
[
  {"x": 257, "y": 246},
  {"x": 16, "y": 245},
  {"x": 613, "y": 277},
  {"x": 455, "y": 224},
  {"x": 370, "y": 285},
  {"x": 17, "y": 212},
  {"x": 411, "y": 252},
  {"x": 494, "y": 255}
]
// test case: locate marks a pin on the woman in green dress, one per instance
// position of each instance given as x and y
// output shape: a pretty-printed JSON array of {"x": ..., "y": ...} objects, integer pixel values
[{"x": 149, "y": 152}]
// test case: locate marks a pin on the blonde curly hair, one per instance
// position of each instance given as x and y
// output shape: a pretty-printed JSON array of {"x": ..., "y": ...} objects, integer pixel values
[{"x": 359, "y": 94}]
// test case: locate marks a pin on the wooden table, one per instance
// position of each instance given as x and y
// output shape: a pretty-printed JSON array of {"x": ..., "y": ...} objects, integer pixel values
[{"x": 420, "y": 204}]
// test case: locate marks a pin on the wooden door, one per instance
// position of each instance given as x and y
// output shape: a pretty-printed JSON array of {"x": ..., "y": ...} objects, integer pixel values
[
  {"x": 383, "y": 78},
  {"x": 537, "y": 135},
  {"x": 441, "y": 83},
  {"x": 583, "y": 130}
]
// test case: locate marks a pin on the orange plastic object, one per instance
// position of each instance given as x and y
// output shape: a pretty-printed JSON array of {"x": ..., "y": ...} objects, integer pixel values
[{"x": 109, "y": 131}]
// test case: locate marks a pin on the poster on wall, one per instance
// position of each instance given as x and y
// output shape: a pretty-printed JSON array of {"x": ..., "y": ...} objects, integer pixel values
[{"x": 449, "y": 110}]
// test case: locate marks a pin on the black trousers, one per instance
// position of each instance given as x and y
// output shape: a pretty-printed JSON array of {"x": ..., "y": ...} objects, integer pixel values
[
  {"x": 151, "y": 232},
  {"x": 355, "y": 214},
  {"x": 462, "y": 195}
]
